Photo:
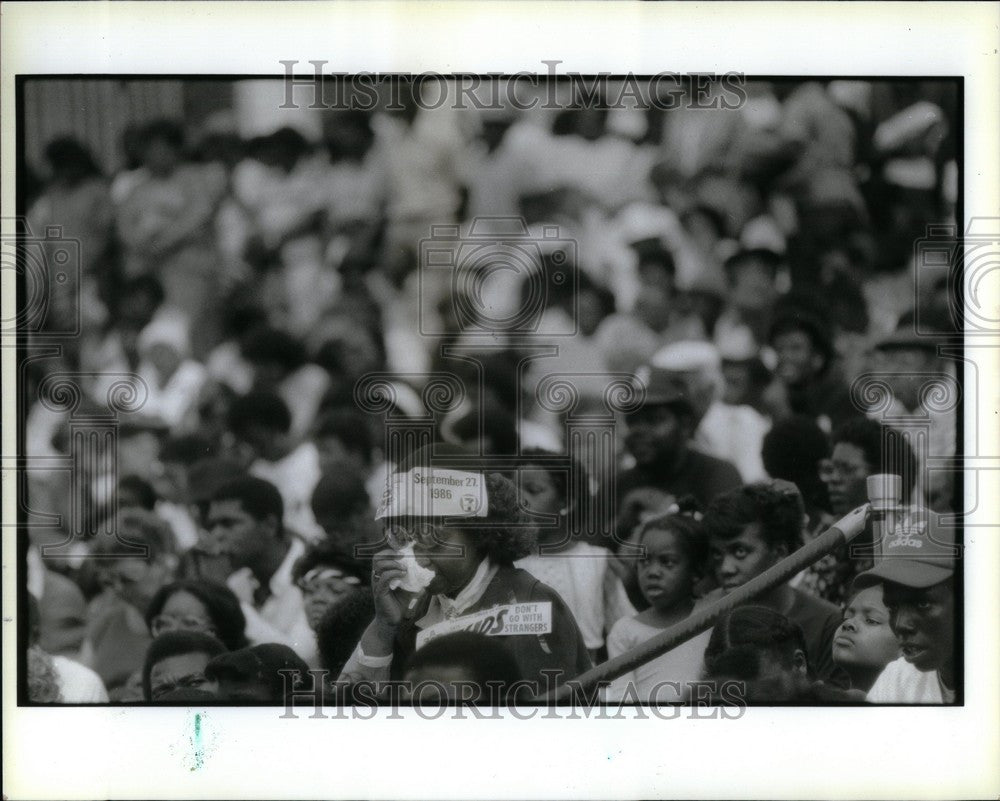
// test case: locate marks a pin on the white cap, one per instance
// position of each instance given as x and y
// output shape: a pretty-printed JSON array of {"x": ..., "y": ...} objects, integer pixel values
[{"x": 687, "y": 356}]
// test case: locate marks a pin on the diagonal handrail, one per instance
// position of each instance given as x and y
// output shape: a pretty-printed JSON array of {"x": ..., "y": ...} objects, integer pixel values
[{"x": 841, "y": 532}]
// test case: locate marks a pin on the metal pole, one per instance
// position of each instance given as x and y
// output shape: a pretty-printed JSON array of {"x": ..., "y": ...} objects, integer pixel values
[{"x": 844, "y": 530}]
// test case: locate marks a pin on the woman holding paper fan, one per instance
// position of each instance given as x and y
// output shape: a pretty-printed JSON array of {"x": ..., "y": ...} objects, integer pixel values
[{"x": 455, "y": 532}]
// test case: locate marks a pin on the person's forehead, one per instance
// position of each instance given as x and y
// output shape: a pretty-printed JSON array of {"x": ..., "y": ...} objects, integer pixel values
[
  {"x": 228, "y": 508},
  {"x": 660, "y": 540},
  {"x": 749, "y": 535},
  {"x": 179, "y": 664},
  {"x": 900, "y": 592},
  {"x": 848, "y": 452}
]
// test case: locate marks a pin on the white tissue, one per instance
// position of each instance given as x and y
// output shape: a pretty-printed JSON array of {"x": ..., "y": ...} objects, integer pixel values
[{"x": 417, "y": 576}]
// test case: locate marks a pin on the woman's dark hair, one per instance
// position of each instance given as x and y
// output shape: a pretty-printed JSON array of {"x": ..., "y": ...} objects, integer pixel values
[
  {"x": 69, "y": 158},
  {"x": 574, "y": 487},
  {"x": 142, "y": 489},
  {"x": 685, "y": 524},
  {"x": 341, "y": 628},
  {"x": 258, "y": 408},
  {"x": 886, "y": 450},
  {"x": 176, "y": 643},
  {"x": 776, "y": 511},
  {"x": 165, "y": 131},
  {"x": 493, "y": 668},
  {"x": 505, "y": 534},
  {"x": 348, "y": 425},
  {"x": 340, "y": 494},
  {"x": 274, "y": 345},
  {"x": 792, "y": 450},
  {"x": 335, "y": 555},
  {"x": 743, "y": 635},
  {"x": 220, "y": 602}
]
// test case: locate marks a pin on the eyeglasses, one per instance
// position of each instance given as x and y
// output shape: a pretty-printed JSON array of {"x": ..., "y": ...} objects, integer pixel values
[
  {"x": 400, "y": 535},
  {"x": 162, "y": 623}
]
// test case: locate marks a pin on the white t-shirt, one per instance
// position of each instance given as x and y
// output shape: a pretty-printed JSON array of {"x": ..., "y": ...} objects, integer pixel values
[
  {"x": 591, "y": 590},
  {"x": 902, "y": 683},
  {"x": 682, "y": 665},
  {"x": 78, "y": 684}
]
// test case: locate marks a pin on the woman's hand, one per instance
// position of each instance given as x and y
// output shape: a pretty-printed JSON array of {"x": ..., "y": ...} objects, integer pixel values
[{"x": 387, "y": 567}]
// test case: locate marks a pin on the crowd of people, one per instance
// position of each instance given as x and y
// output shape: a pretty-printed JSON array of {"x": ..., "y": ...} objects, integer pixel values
[{"x": 256, "y": 516}]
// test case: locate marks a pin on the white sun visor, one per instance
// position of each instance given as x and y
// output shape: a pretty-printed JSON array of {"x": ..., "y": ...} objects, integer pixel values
[{"x": 434, "y": 492}]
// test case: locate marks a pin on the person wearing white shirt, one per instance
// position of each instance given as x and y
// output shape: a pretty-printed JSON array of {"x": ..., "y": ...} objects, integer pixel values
[{"x": 245, "y": 524}]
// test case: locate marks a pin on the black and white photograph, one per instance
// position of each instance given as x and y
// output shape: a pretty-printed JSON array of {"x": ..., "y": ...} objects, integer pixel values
[{"x": 551, "y": 394}]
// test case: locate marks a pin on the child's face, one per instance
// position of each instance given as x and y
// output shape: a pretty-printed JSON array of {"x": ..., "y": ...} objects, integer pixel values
[
  {"x": 865, "y": 638},
  {"x": 666, "y": 575},
  {"x": 539, "y": 492},
  {"x": 923, "y": 621},
  {"x": 742, "y": 558}
]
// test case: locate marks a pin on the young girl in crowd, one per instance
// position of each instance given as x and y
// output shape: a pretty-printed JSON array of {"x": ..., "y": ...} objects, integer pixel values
[
  {"x": 579, "y": 571},
  {"x": 675, "y": 553},
  {"x": 864, "y": 644}
]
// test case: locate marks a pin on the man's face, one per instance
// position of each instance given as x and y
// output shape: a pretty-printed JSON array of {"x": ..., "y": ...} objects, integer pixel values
[
  {"x": 923, "y": 621},
  {"x": 236, "y": 534},
  {"x": 180, "y": 670},
  {"x": 753, "y": 286},
  {"x": 798, "y": 360},
  {"x": 845, "y": 474},
  {"x": 738, "y": 560},
  {"x": 654, "y": 434}
]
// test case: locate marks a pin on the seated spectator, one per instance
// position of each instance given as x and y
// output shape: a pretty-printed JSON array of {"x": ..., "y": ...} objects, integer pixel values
[
  {"x": 461, "y": 575},
  {"x": 864, "y": 643},
  {"x": 751, "y": 277},
  {"x": 731, "y": 433},
  {"x": 579, "y": 571},
  {"x": 245, "y": 527},
  {"x": 908, "y": 362},
  {"x": 117, "y": 636},
  {"x": 861, "y": 448},
  {"x": 260, "y": 423},
  {"x": 658, "y": 436},
  {"x": 173, "y": 379},
  {"x": 917, "y": 577},
  {"x": 53, "y": 678},
  {"x": 342, "y": 507},
  {"x": 173, "y": 485},
  {"x": 674, "y": 559},
  {"x": 808, "y": 380},
  {"x": 463, "y": 667},
  {"x": 764, "y": 655},
  {"x": 752, "y": 529},
  {"x": 325, "y": 574},
  {"x": 343, "y": 434},
  {"x": 259, "y": 675},
  {"x": 279, "y": 365},
  {"x": 61, "y": 606},
  {"x": 204, "y": 606},
  {"x": 177, "y": 659}
]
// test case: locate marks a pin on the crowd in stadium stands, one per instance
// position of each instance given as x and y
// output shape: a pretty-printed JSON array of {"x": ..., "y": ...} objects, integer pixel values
[{"x": 743, "y": 269}]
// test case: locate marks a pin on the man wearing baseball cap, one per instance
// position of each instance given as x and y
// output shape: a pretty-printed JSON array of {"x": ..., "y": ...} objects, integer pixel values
[
  {"x": 658, "y": 438},
  {"x": 916, "y": 571}
]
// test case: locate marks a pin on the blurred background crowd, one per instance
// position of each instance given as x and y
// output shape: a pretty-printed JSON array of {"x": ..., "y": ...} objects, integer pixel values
[{"x": 245, "y": 265}]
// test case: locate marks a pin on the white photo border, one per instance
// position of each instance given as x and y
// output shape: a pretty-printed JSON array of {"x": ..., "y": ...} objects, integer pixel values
[{"x": 774, "y": 753}]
